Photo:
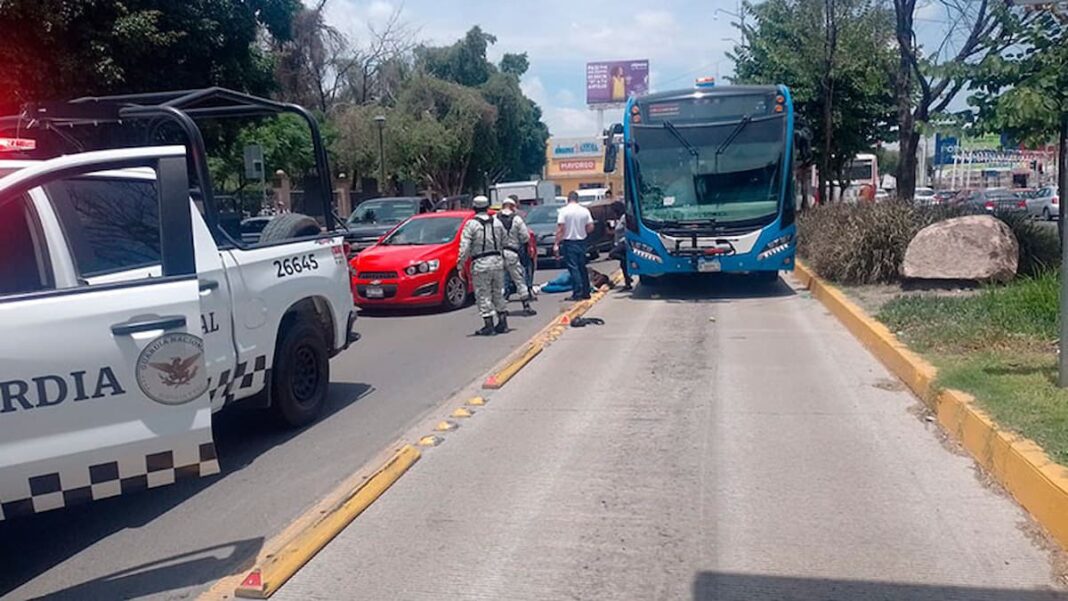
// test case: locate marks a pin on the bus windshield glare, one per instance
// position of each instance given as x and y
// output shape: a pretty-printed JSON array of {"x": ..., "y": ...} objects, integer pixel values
[{"x": 718, "y": 172}]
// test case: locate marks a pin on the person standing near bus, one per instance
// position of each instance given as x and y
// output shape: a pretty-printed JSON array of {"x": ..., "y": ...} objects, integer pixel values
[
  {"x": 619, "y": 247},
  {"x": 516, "y": 241},
  {"x": 483, "y": 241},
  {"x": 574, "y": 224}
]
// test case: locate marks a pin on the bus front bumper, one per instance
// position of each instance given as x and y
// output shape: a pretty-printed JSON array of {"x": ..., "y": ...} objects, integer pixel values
[{"x": 749, "y": 262}]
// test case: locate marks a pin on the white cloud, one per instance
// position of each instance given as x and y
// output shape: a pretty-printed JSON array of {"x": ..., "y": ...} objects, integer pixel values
[
  {"x": 533, "y": 88},
  {"x": 564, "y": 97},
  {"x": 379, "y": 10},
  {"x": 566, "y": 121}
]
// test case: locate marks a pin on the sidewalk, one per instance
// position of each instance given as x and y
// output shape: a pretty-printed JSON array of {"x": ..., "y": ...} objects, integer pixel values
[{"x": 700, "y": 448}]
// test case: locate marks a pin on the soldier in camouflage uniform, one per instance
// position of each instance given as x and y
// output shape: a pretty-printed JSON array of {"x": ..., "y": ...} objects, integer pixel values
[
  {"x": 516, "y": 241},
  {"x": 483, "y": 240}
]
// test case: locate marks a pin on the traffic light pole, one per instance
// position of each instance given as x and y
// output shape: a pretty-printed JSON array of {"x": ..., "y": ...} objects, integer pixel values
[{"x": 1062, "y": 192}]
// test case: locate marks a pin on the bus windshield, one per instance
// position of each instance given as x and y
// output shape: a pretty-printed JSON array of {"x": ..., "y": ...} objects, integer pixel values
[{"x": 720, "y": 173}]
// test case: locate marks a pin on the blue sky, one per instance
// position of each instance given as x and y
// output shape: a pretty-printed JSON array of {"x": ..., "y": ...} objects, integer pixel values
[{"x": 683, "y": 39}]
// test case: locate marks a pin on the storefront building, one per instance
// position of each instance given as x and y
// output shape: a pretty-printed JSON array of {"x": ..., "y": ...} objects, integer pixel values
[{"x": 578, "y": 164}]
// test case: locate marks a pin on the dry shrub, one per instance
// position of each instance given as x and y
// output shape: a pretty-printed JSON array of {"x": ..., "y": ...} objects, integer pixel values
[{"x": 863, "y": 243}]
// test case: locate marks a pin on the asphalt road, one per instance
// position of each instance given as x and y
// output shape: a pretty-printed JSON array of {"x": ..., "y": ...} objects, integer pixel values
[
  {"x": 729, "y": 443},
  {"x": 172, "y": 542}
]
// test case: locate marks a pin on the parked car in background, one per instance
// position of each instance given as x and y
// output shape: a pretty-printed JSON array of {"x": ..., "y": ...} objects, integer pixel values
[
  {"x": 252, "y": 227},
  {"x": 415, "y": 265},
  {"x": 994, "y": 200},
  {"x": 541, "y": 221},
  {"x": 924, "y": 196},
  {"x": 881, "y": 195},
  {"x": 945, "y": 197},
  {"x": 375, "y": 217},
  {"x": 1044, "y": 203}
]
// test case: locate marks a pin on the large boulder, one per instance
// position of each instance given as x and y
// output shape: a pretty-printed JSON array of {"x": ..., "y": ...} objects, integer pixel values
[{"x": 976, "y": 247}]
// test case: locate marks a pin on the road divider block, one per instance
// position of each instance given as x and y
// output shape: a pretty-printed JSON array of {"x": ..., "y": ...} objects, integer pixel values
[
  {"x": 265, "y": 579},
  {"x": 460, "y": 412},
  {"x": 430, "y": 441},
  {"x": 446, "y": 426}
]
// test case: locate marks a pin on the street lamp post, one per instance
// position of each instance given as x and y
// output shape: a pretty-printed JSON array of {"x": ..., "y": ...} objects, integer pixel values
[{"x": 380, "y": 120}]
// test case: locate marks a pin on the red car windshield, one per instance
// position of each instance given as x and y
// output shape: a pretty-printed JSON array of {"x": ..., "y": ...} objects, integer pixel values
[{"x": 429, "y": 230}]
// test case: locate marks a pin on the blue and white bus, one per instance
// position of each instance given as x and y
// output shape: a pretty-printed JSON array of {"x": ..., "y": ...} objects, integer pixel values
[{"x": 709, "y": 180}]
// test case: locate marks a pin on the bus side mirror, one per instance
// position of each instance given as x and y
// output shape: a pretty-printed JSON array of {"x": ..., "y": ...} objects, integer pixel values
[{"x": 611, "y": 151}]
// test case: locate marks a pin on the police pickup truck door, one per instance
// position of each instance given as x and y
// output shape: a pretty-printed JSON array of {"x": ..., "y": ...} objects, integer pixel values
[{"x": 102, "y": 386}]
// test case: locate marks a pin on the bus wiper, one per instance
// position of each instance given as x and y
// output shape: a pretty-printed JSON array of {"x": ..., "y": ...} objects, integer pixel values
[
  {"x": 682, "y": 140},
  {"x": 734, "y": 134}
]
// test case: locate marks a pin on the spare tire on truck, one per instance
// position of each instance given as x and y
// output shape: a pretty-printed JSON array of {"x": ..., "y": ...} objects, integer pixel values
[{"x": 288, "y": 226}]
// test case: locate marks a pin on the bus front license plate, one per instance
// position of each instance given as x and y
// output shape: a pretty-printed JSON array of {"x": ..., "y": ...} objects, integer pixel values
[{"x": 710, "y": 266}]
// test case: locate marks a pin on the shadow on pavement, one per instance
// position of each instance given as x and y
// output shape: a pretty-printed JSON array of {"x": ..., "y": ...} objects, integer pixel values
[
  {"x": 33, "y": 545},
  {"x": 707, "y": 288},
  {"x": 723, "y": 586},
  {"x": 162, "y": 575}
]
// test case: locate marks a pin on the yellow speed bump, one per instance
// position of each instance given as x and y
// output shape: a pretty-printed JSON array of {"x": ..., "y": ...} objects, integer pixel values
[
  {"x": 445, "y": 426},
  {"x": 430, "y": 441},
  {"x": 462, "y": 412},
  {"x": 266, "y": 578},
  {"x": 476, "y": 401}
]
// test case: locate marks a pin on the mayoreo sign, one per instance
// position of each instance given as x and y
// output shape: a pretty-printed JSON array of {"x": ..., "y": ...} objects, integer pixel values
[
  {"x": 584, "y": 165},
  {"x": 565, "y": 148}
]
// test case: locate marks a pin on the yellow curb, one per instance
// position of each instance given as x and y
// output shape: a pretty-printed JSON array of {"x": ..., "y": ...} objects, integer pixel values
[
  {"x": 476, "y": 401},
  {"x": 550, "y": 332},
  {"x": 462, "y": 412},
  {"x": 266, "y": 578},
  {"x": 1038, "y": 483},
  {"x": 501, "y": 377}
]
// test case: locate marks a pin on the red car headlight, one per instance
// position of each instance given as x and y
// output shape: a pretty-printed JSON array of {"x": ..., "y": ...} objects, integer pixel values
[{"x": 423, "y": 267}]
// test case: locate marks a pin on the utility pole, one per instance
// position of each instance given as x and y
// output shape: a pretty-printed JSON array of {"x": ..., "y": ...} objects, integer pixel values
[
  {"x": 1062, "y": 185},
  {"x": 380, "y": 120}
]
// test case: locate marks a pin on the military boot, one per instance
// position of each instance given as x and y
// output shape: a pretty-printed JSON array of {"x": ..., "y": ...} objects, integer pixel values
[
  {"x": 487, "y": 329},
  {"x": 502, "y": 324},
  {"x": 528, "y": 309}
]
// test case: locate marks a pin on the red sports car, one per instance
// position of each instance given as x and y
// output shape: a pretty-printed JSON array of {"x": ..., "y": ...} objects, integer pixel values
[{"x": 415, "y": 264}]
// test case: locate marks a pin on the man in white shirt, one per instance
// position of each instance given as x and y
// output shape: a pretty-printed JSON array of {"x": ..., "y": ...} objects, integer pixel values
[{"x": 574, "y": 224}]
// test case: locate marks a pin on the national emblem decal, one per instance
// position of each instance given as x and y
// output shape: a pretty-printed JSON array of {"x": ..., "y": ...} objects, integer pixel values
[{"x": 170, "y": 370}]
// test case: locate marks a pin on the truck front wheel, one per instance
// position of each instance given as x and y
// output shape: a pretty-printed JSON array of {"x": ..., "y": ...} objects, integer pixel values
[{"x": 301, "y": 374}]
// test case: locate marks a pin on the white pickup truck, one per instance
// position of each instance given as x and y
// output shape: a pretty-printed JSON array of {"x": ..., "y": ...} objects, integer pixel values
[{"x": 125, "y": 324}]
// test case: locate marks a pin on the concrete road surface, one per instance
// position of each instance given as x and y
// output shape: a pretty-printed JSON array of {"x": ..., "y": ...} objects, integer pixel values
[
  {"x": 720, "y": 443},
  {"x": 171, "y": 542}
]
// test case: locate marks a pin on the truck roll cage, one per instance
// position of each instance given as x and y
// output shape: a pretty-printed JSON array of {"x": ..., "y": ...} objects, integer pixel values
[{"x": 178, "y": 107}]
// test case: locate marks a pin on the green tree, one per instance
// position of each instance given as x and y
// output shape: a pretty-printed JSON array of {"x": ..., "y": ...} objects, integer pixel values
[
  {"x": 57, "y": 49},
  {"x": 1025, "y": 92},
  {"x": 835, "y": 56},
  {"x": 431, "y": 134},
  {"x": 515, "y": 146},
  {"x": 927, "y": 79},
  {"x": 463, "y": 62}
]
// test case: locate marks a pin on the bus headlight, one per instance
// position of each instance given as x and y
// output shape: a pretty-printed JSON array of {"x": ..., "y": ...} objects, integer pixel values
[
  {"x": 776, "y": 246},
  {"x": 644, "y": 251}
]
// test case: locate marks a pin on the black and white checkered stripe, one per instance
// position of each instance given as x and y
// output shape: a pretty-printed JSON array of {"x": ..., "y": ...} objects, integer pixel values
[
  {"x": 241, "y": 378},
  {"x": 103, "y": 480}
]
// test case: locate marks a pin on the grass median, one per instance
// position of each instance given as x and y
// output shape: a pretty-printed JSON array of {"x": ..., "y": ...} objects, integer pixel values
[{"x": 1000, "y": 345}]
